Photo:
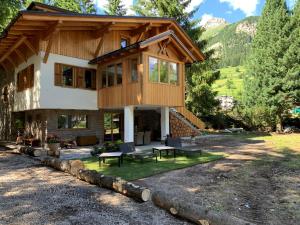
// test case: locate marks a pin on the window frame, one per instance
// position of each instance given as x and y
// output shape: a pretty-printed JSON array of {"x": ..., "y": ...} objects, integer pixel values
[
  {"x": 159, "y": 65},
  {"x": 104, "y": 70},
  {"x": 69, "y": 121},
  {"x": 76, "y": 70}
]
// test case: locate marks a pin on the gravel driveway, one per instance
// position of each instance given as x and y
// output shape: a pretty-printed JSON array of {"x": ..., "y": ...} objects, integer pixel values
[{"x": 33, "y": 194}]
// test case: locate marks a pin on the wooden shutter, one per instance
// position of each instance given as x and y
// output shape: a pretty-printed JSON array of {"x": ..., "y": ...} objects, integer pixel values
[
  {"x": 93, "y": 79},
  {"x": 79, "y": 72},
  {"x": 57, "y": 74},
  {"x": 30, "y": 76}
]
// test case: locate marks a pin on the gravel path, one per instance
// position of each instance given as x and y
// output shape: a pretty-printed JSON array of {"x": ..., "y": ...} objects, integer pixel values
[{"x": 33, "y": 194}]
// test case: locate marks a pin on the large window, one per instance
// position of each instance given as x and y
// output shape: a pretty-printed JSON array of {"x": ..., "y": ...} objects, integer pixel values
[
  {"x": 73, "y": 76},
  {"x": 163, "y": 71},
  {"x": 133, "y": 70},
  {"x": 153, "y": 69},
  {"x": 72, "y": 122},
  {"x": 25, "y": 78},
  {"x": 112, "y": 75}
]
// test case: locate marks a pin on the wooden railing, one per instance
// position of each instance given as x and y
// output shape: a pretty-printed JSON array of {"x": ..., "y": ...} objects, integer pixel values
[{"x": 191, "y": 117}]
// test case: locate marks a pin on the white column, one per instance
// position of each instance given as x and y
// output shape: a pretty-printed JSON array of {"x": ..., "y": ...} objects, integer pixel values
[
  {"x": 164, "y": 122},
  {"x": 129, "y": 124}
]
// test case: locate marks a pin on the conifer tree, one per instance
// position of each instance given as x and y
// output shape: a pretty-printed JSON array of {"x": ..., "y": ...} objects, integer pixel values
[
  {"x": 268, "y": 93},
  {"x": 115, "y": 7}
]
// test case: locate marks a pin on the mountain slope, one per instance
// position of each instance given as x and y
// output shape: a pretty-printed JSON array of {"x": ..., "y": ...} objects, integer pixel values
[{"x": 231, "y": 42}]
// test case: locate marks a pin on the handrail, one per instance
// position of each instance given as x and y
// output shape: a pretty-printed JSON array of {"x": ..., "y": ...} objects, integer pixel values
[{"x": 191, "y": 117}]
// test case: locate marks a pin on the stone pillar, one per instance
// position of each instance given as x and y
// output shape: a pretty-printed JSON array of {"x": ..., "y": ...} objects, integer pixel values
[
  {"x": 129, "y": 124},
  {"x": 164, "y": 122}
]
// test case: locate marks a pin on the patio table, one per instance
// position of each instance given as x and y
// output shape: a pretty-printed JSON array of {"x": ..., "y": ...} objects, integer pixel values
[
  {"x": 166, "y": 149},
  {"x": 105, "y": 155}
]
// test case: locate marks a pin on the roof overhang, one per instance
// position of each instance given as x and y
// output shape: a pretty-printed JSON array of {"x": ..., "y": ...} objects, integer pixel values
[{"x": 142, "y": 45}]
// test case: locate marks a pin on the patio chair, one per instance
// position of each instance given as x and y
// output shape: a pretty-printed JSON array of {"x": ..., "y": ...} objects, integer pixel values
[
  {"x": 188, "y": 150},
  {"x": 129, "y": 150},
  {"x": 139, "y": 138},
  {"x": 147, "y": 138}
]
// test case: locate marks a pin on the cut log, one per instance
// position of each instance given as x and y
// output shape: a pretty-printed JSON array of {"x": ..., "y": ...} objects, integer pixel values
[
  {"x": 30, "y": 151},
  {"x": 194, "y": 213},
  {"x": 76, "y": 168}
]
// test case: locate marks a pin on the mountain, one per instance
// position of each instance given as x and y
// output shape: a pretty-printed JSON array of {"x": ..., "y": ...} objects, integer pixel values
[{"x": 231, "y": 41}]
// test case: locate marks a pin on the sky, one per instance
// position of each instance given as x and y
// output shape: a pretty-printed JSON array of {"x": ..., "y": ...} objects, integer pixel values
[{"x": 231, "y": 10}]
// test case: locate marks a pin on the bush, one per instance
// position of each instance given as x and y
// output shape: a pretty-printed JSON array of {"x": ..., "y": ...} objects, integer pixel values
[{"x": 108, "y": 146}]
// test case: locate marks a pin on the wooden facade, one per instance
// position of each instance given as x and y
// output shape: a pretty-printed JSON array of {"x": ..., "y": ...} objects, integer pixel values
[{"x": 42, "y": 29}]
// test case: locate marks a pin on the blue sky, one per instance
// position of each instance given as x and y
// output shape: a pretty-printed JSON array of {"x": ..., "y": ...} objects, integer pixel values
[{"x": 230, "y": 10}]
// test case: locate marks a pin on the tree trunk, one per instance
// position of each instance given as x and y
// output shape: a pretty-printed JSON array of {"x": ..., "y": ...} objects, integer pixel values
[
  {"x": 30, "y": 151},
  {"x": 76, "y": 168},
  {"x": 194, "y": 213},
  {"x": 279, "y": 124}
]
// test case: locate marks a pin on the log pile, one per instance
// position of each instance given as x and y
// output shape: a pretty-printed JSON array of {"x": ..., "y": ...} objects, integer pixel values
[
  {"x": 76, "y": 168},
  {"x": 29, "y": 151},
  {"x": 194, "y": 213}
]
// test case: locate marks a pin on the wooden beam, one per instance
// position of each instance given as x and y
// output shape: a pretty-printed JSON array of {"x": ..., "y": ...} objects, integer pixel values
[
  {"x": 99, "y": 46},
  {"x": 30, "y": 46},
  {"x": 16, "y": 45},
  {"x": 21, "y": 55},
  {"x": 141, "y": 29},
  {"x": 103, "y": 29},
  {"x": 54, "y": 28},
  {"x": 11, "y": 61},
  {"x": 48, "y": 49}
]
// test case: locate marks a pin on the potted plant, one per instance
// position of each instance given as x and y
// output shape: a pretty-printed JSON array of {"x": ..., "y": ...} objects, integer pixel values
[{"x": 53, "y": 143}]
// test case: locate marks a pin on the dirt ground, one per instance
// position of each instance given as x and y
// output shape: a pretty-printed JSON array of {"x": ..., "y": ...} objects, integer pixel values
[
  {"x": 266, "y": 191},
  {"x": 33, "y": 194}
]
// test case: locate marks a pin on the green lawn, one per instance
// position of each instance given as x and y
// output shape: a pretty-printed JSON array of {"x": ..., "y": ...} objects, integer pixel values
[{"x": 134, "y": 169}]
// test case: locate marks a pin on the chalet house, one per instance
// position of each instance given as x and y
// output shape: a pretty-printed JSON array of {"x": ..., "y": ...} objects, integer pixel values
[{"x": 64, "y": 70}]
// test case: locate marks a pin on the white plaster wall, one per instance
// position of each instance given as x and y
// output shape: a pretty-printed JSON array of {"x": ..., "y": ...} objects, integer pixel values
[
  {"x": 29, "y": 98},
  {"x": 56, "y": 97}
]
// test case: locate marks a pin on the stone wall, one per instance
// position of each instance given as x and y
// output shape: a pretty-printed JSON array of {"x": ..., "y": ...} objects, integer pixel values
[
  {"x": 178, "y": 128},
  {"x": 95, "y": 124},
  {"x": 41, "y": 123}
]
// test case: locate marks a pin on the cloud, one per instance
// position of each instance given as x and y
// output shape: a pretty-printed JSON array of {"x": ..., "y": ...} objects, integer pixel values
[
  {"x": 193, "y": 4},
  {"x": 205, "y": 18},
  {"x": 247, "y": 6},
  {"x": 126, "y": 3}
]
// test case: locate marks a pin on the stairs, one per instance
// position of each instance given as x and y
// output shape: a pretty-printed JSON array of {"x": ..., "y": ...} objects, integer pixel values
[{"x": 188, "y": 118}]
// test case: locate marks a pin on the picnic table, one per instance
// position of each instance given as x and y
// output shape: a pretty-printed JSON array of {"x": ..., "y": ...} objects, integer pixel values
[
  {"x": 105, "y": 155},
  {"x": 164, "y": 149}
]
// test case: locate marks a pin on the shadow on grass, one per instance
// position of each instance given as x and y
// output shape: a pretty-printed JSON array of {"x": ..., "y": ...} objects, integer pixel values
[{"x": 135, "y": 169}]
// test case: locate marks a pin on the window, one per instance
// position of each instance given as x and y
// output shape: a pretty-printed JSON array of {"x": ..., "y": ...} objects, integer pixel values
[
  {"x": 67, "y": 76},
  {"x": 119, "y": 73},
  {"x": 173, "y": 73},
  {"x": 103, "y": 75},
  {"x": 90, "y": 79},
  {"x": 110, "y": 75},
  {"x": 73, "y": 76},
  {"x": 72, "y": 122},
  {"x": 133, "y": 68},
  {"x": 163, "y": 71},
  {"x": 25, "y": 78},
  {"x": 124, "y": 42},
  {"x": 153, "y": 69}
]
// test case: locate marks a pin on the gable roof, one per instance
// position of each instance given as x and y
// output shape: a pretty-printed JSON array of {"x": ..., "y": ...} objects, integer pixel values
[
  {"x": 39, "y": 18},
  {"x": 143, "y": 44}
]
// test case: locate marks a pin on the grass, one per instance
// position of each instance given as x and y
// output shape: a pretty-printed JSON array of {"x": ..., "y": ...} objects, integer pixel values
[
  {"x": 134, "y": 169},
  {"x": 235, "y": 74}
]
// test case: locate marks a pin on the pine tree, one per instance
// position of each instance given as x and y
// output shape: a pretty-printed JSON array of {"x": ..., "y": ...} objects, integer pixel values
[
  {"x": 114, "y": 7},
  {"x": 200, "y": 97},
  {"x": 268, "y": 97}
]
